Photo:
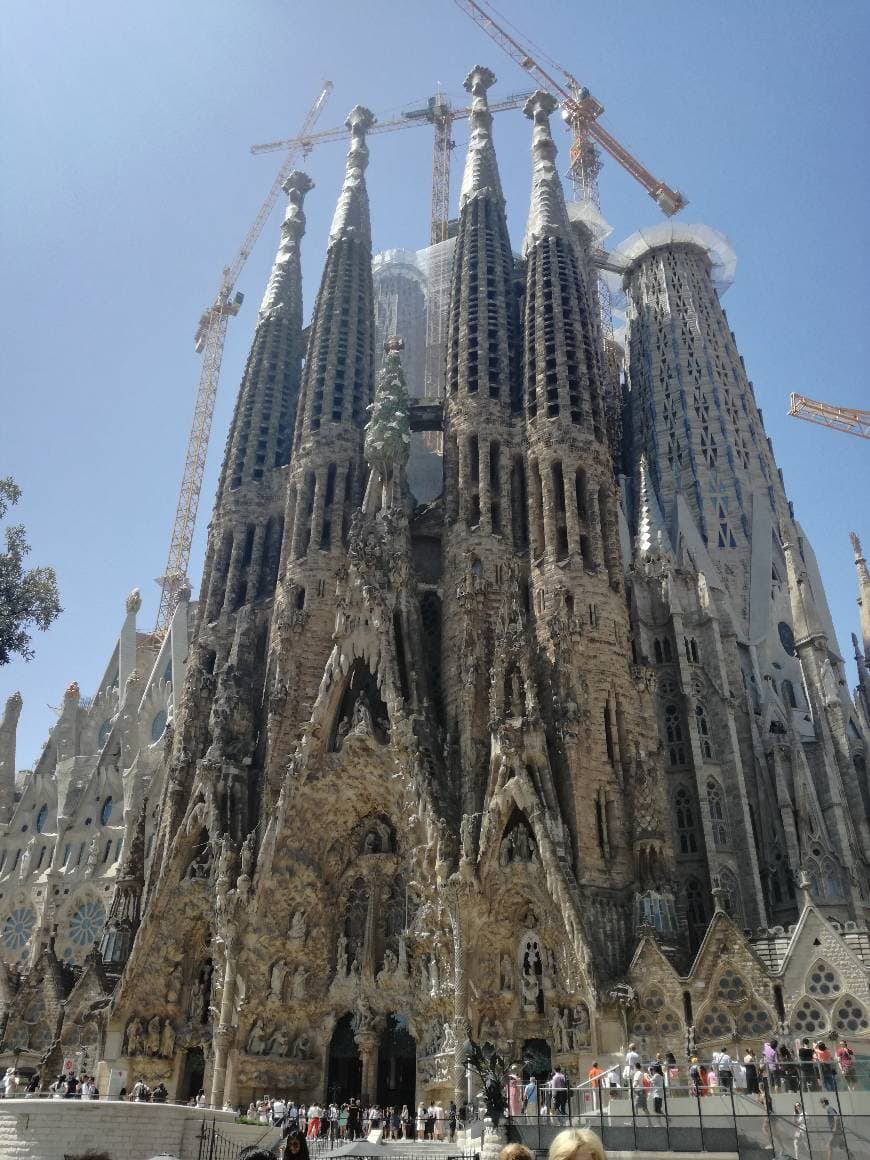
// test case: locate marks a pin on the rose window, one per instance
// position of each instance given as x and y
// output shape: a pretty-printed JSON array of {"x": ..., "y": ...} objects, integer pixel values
[
  {"x": 731, "y": 987},
  {"x": 642, "y": 1027},
  {"x": 86, "y": 924},
  {"x": 755, "y": 1021},
  {"x": 824, "y": 981},
  {"x": 716, "y": 1024},
  {"x": 669, "y": 1024},
  {"x": 850, "y": 1016},
  {"x": 809, "y": 1018},
  {"x": 19, "y": 927},
  {"x": 653, "y": 1001}
]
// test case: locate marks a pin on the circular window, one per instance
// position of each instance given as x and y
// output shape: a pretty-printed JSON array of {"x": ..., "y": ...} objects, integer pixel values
[
  {"x": 823, "y": 981},
  {"x": 106, "y": 812},
  {"x": 86, "y": 924},
  {"x": 41, "y": 818},
  {"x": 715, "y": 1023},
  {"x": 19, "y": 927},
  {"x": 670, "y": 1024},
  {"x": 158, "y": 725},
  {"x": 103, "y": 735},
  {"x": 786, "y": 637},
  {"x": 755, "y": 1021},
  {"x": 809, "y": 1018},
  {"x": 731, "y": 987},
  {"x": 851, "y": 1017}
]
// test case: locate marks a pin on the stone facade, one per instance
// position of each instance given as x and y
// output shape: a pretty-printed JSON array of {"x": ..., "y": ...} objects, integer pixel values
[{"x": 552, "y": 760}]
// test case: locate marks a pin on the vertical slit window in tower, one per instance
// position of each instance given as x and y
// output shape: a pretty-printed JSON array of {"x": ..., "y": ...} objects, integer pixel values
[
  {"x": 495, "y": 486},
  {"x": 608, "y": 733},
  {"x": 605, "y": 524},
  {"x": 580, "y": 494},
  {"x": 657, "y": 650},
  {"x": 451, "y": 478},
  {"x": 559, "y": 509},
  {"x": 473, "y": 481},
  {"x": 348, "y": 504},
  {"x": 305, "y": 538},
  {"x": 539, "y": 543},
  {"x": 674, "y": 734},
  {"x": 326, "y": 529},
  {"x": 599, "y": 824},
  {"x": 519, "y": 505}
]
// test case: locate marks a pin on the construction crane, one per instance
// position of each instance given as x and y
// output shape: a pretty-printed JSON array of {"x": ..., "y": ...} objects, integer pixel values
[
  {"x": 851, "y": 420},
  {"x": 440, "y": 114},
  {"x": 209, "y": 342},
  {"x": 580, "y": 109}
]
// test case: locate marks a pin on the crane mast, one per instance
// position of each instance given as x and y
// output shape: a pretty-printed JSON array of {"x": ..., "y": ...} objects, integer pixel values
[{"x": 209, "y": 342}]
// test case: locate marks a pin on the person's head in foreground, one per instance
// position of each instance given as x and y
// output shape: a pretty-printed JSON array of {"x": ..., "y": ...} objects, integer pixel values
[
  {"x": 577, "y": 1144},
  {"x": 252, "y": 1152},
  {"x": 515, "y": 1152}
]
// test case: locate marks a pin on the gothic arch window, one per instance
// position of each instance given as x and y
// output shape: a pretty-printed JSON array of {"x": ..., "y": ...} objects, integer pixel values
[
  {"x": 106, "y": 812},
  {"x": 674, "y": 734},
  {"x": 809, "y": 1017},
  {"x": 696, "y": 909},
  {"x": 823, "y": 981},
  {"x": 731, "y": 988},
  {"x": 41, "y": 818},
  {"x": 754, "y": 1021},
  {"x": 716, "y": 806},
  {"x": 158, "y": 725},
  {"x": 788, "y": 696},
  {"x": 703, "y": 731},
  {"x": 715, "y": 1023},
  {"x": 850, "y": 1017},
  {"x": 684, "y": 817},
  {"x": 730, "y": 894},
  {"x": 657, "y": 650}
]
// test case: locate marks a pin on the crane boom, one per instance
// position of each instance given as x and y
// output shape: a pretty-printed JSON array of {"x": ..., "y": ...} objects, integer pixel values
[
  {"x": 209, "y": 341},
  {"x": 850, "y": 420},
  {"x": 580, "y": 108}
]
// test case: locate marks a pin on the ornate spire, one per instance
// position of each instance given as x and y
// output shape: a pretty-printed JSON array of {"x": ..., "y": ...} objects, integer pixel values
[
  {"x": 351, "y": 216},
  {"x": 807, "y": 626},
  {"x": 126, "y": 909},
  {"x": 547, "y": 212},
  {"x": 863, "y": 593},
  {"x": 652, "y": 533},
  {"x": 481, "y": 169},
  {"x": 388, "y": 431},
  {"x": 284, "y": 290}
]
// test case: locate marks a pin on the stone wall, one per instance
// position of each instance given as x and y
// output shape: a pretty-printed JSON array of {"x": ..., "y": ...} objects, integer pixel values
[{"x": 52, "y": 1129}]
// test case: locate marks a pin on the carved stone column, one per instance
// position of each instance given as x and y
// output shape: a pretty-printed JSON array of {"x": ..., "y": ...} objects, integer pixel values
[
  {"x": 367, "y": 1042},
  {"x": 461, "y": 1025},
  {"x": 225, "y": 1033}
]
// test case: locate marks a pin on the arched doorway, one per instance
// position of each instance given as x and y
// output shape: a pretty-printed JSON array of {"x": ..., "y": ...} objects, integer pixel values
[
  {"x": 344, "y": 1077},
  {"x": 537, "y": 1060},
  {"x": 192, "y": 1075},
  {"x": 397, "y": 1064}
]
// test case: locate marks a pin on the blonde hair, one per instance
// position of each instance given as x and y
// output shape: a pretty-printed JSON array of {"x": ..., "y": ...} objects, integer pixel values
[
  {"x": 515, "y": 1152},
  {"x": 579, "y": 1143}
]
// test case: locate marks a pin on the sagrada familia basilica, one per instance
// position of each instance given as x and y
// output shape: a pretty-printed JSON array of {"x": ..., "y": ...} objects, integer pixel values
[{"x": 565, "y": 756}]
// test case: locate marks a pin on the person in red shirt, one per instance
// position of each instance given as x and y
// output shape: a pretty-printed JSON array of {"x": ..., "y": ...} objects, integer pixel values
[{"x": 846, "y": 1060}]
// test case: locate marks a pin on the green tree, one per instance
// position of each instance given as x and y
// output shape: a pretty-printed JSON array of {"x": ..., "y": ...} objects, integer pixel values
[{"x": 27, "y": 598}]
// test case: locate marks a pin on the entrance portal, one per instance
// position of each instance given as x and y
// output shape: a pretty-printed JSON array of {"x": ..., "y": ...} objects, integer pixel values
[
  {"x": 344, "y": 1078},
  {"x": 397, "y": 1065},
  {"x": 191, "y": 1077},
  {"x": 537, "y": 1061}
]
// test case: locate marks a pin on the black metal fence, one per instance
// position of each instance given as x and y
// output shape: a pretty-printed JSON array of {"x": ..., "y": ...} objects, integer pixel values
[{"x": 214, "y": 1145}]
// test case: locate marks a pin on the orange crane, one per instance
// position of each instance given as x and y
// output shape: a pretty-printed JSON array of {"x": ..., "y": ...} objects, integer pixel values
[
  {"x": 209, "y": 342},
  {"x": 851, "y": 420},
  {"x": 580, "y": 109}
]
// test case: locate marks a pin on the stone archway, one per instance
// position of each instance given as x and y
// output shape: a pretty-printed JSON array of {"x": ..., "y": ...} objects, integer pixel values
[
  {"x": 537, "y": 1061},
  {"x": 397, "y": 1064},
  {"x": 192, "y": 1074},
  {"x": 344, "y": 1073}
]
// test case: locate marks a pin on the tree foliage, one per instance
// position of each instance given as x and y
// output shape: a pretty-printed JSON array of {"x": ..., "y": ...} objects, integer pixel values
[{"x": 28, "y": 598}]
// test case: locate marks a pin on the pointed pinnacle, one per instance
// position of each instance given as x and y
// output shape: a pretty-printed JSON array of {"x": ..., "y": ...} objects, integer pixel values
[
  {"x": 547, "y": 212},
  {"x": 481, "y": 170},
  {"x": 296, "y": 186},
  {"x": 352, "y": 211}
]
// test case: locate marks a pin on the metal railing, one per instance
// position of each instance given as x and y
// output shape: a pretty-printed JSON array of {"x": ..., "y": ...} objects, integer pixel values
[{"x": 683, "y": 1118}]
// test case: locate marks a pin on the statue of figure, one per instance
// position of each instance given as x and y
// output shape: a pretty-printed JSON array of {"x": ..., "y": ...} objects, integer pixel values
[
  {"x": 174, "y": 984},
  {"x": 341, "y": 733},
  {"x": 152, "y": 1039},
  {"x": 276, "y": 980},
  {"x": 299, "y": 983},
  {"x": 257, "y": 1039},
  {"x": 390, "y": 962},
  {"x": 247, "y": 855},
  {"x": 372, "y": 844},
  {"x": 830, "y": 693},
  {"x": 518, "y": 707},
  {"x": 297, "y": 928},
  {"x": 93, "y": 855},
  {"x": 167, "y": 1040},
  {"x": 224, "y": 857},
  {"x": 302, "y": 1047},
  {"x": 531, "y": 988},
  {"x": 197, "y": 999},
  {"x": 341, "y": 958},
  {"x": 580, "y": 1027},
  {"x": 135, "y": 1040},
  {"x": 25, "y": 864},
  {"x": 362, "y": 715},
  {"x": 466, "y": 837},
  {"x": 522, "y": 846},
  {"x": 560, "y": 1029},
  {"x": 449, "y": 1042},
  {"x": 434, "y": 979},
  {"x": 506, "y": 972},
  {"x": 278, "y": 1042}
]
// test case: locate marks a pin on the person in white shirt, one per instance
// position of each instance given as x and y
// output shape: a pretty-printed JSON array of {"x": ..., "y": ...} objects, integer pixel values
[
  {"x": 279, "y": 1111},
  {"x": 725, "y": 1069}
]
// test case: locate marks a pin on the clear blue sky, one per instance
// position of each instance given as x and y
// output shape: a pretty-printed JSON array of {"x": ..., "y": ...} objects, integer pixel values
[{"x": 128, "y": 185}]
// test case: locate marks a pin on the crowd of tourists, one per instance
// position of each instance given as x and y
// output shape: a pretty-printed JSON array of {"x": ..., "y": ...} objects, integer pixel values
[{"x": 355, "y": 1119}]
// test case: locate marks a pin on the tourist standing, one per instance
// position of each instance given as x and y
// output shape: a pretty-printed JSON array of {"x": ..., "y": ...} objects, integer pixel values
[
  {"x": 836, "y": 1132},
  {"x": 279, "y": 1112},
  {"x": 421, "y": 1121},
  {"x": 807, "y": 1067},
  {"x": 846, "y": 1060},
  {"x": 640, "y": 1083},
  {"x": 657, "y": 1079},
  {"x": 560, "y": 1091},
  {"x": 530, "y": 1097},
  {"x": 750, "y": 1067},
  {"x": 825, "y": 1064},
  {"x": 725, "y": 1070}
]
